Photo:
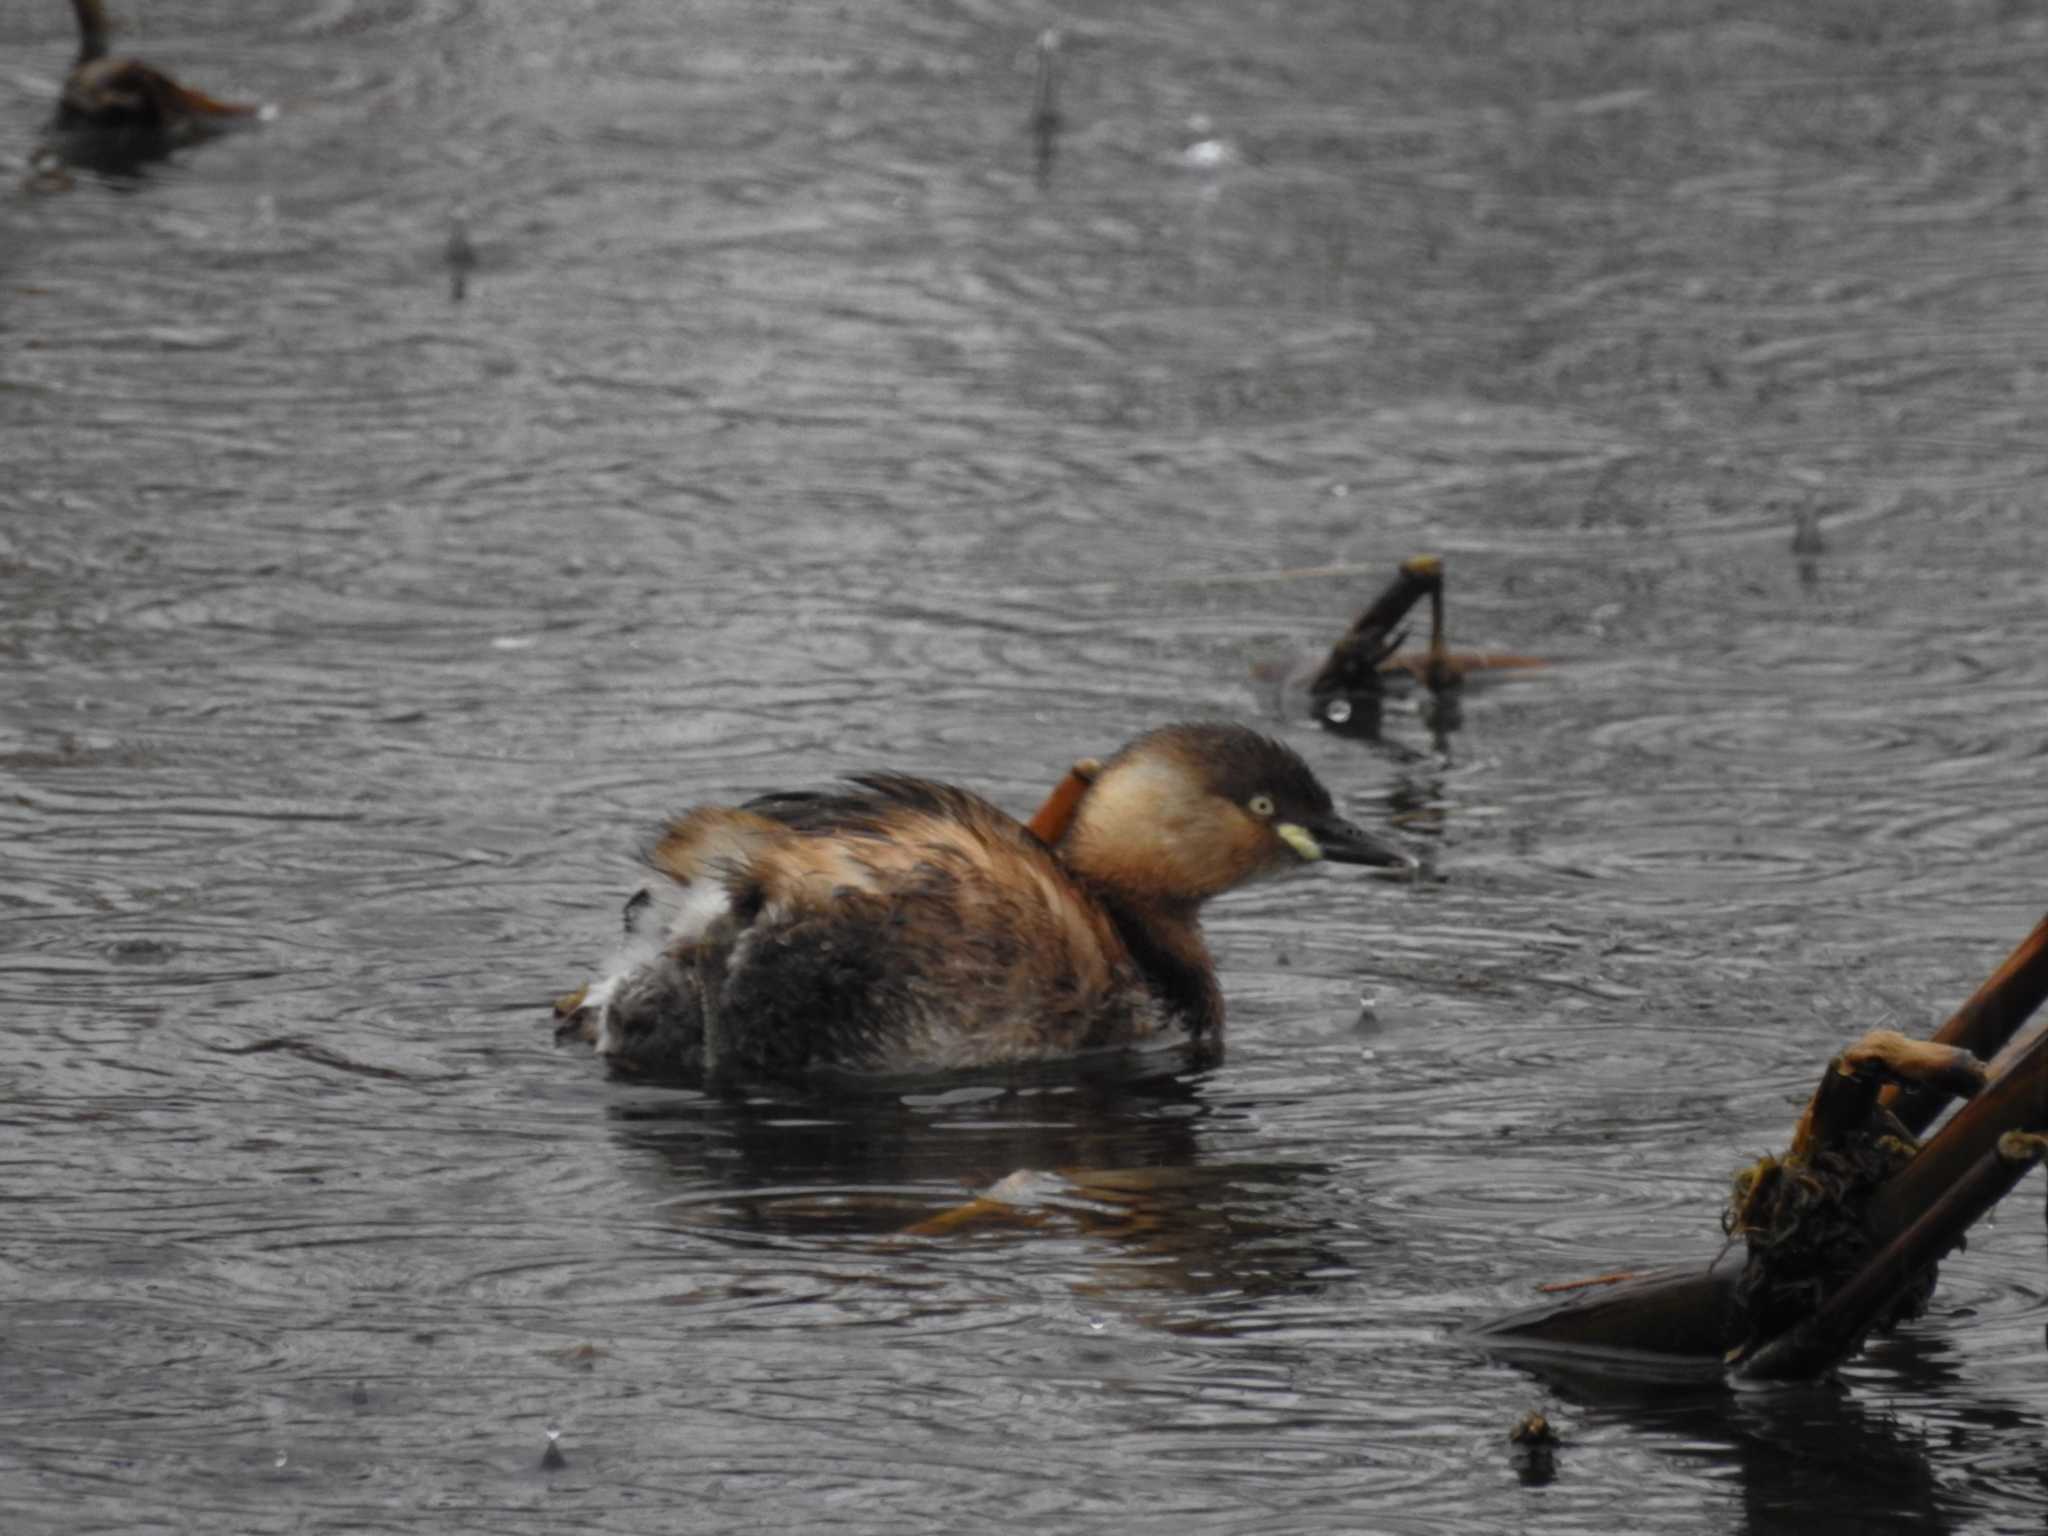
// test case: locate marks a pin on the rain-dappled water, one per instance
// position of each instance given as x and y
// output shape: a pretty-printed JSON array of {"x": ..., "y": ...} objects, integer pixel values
[{"x": 352, "y": 638}]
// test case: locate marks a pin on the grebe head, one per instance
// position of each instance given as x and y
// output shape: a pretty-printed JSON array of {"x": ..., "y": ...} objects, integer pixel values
[{"x": 1189, "y": 811}]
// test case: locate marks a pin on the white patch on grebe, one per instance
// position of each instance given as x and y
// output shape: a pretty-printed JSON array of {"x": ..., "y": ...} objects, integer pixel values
[
  {"x": 597, "y": 1004},
  {"x": 678, "y": 915},
  {"x": 691, "y": 909},
  {"x": 607, "y": 1041}
]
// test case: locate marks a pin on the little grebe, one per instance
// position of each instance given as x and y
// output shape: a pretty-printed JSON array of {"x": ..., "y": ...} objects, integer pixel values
[
  {"x": 118, "y": 112},
  {"x": 900, "y": 925}
]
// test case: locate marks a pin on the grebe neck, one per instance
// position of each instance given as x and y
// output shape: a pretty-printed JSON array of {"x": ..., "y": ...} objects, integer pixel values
[{"x": 1166, "y": 944}]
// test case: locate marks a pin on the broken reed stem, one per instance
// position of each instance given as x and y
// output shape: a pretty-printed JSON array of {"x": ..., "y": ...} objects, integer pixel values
[
  {"x": 1983, "y": 1025},
  {"x": 1688, "y": 1315},
  {"x": 1839, "y": 1324}
]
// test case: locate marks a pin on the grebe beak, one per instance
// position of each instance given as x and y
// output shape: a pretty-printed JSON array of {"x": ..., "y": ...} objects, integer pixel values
[{"x": 1332, "y": 837}]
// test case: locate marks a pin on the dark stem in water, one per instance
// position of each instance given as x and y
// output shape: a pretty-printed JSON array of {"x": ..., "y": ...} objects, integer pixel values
[{"x": 92, "y": 30}]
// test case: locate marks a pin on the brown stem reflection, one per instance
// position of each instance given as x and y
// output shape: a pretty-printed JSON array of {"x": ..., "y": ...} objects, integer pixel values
[
  {"x": 1818, "y": 1458},
  {"x": 1119, "y": 1163}
]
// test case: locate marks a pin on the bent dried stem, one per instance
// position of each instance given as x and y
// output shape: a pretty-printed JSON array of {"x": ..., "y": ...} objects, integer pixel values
[{"x": 1347, "y": 691}]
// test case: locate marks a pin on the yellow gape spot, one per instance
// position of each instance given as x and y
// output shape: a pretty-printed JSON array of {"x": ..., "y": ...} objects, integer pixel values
[{"x": 1300, "y": 840}]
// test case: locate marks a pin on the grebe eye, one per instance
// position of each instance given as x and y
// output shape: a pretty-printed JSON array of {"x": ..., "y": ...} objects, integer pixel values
[{"x": 1260, "y": 805}]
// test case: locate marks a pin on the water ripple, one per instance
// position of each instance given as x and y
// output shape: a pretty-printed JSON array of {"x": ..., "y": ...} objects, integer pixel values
[{"x": 353, "y": 638}]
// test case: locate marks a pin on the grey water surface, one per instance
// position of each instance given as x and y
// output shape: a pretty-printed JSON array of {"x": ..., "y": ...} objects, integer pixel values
[{"x": 353, "y": 636}]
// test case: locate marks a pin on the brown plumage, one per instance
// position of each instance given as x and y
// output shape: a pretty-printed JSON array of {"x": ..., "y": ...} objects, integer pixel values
[
  {"x": 119, "y": 112},
  {"x": 898, "y": 925}
]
